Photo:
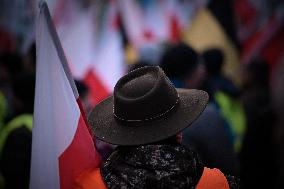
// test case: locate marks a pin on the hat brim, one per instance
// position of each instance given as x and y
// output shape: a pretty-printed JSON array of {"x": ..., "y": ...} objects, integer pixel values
[{"x": 107, "y": 128}]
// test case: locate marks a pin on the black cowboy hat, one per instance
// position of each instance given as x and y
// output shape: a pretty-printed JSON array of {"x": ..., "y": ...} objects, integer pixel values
[{"x": 145, "y": 108}]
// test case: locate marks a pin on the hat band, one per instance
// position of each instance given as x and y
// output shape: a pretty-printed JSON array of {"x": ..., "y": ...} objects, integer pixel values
[{"x": 151, "y": 118}]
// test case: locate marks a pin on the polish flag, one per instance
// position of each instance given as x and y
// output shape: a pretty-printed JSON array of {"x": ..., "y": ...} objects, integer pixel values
[
  {"x": 155, "y": 21},
  {"x": 62, "y": 145},
  {"x": 133, "y": 19},
  {"x": 93, "y": 46},
  {"x": 108, "y": 65}
]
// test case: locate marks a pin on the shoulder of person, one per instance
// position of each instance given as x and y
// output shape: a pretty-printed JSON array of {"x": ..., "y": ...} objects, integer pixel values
[
  {"x": 90, "y": 179},
  {"x": 212, "y": 178}
]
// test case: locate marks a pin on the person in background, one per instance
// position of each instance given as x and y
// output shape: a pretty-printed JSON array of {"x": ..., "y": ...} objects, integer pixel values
[
  {"x": 224, "y": 95},
  {"x": 277, "y": 93},
  {"x": 16, "y": 135},
  {"x": 11, "y": 66},
  {"x": 145, "y": 117},
  {"x": 213, "y": 60},
  {"x": 180, "y": 63},
  {"x": 208, "y": 134},
  {"x": 261, "y": 123}
]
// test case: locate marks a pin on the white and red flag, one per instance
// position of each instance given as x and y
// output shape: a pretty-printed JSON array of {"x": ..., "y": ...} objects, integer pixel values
[
  {"x": 92, "y": 43},
  {"x": 62, "y": 146}
]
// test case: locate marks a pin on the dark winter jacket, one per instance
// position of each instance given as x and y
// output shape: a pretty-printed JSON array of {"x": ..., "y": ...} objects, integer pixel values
[
  {"x": 210, "y": 138},
  {"x": 154, "y": 166}
]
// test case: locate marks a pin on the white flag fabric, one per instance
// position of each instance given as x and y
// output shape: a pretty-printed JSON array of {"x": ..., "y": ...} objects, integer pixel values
[
  {"x": 62, "y": 146},
  {"x": 92, "y": 44},
  {"x": 76, "y": 31},
  {"x": 155, "y": 21},
  {"x": 133, "y": 18},
  {"x": 109, "y": 64}
]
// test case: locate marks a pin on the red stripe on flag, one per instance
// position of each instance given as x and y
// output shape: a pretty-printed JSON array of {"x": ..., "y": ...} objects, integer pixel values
[
  {"x": 83, "y": 114},
  {"x": 273, "y": 51},
  {"x": 175, "y": 28},
  {"x": 59, "y": 12},
  {"x": 78, "y": 157},
  {"x": 246, "y": 11},
  {"x": 254, "y": 44},
  {"x": 148, "y": 35},
  {"x": 97, "y": 89}
]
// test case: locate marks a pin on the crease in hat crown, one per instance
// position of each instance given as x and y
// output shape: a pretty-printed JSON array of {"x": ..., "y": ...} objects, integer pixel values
[{"x": 144, "y": 94}]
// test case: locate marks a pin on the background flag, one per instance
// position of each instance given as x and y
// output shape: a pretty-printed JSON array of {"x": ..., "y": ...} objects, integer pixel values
[
  {"x": 62, "y": 146},
  {"x": 208, "y": 30}
]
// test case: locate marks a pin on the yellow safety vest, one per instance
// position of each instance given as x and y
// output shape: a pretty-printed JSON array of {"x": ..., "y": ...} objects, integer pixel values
[
  {"x": 21, "y": 120},
  {"x": 233, "y": 112}
]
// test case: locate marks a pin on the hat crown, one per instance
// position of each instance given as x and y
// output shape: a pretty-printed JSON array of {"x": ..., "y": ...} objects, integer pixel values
[{"x": 144, "y": 94}]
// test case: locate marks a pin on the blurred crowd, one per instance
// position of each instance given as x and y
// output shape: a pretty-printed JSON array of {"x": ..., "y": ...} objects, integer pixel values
[{"x": 241, "y": 131}]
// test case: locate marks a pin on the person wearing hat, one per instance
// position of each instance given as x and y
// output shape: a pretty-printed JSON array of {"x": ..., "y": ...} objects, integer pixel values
[{"x": 144, "y": 117}]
